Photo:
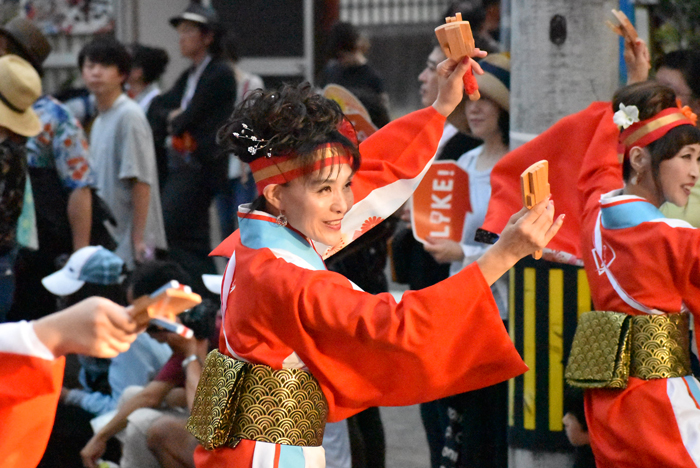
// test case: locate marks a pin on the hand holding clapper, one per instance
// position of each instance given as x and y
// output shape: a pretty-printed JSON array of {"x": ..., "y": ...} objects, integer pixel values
[{"x": 535, "y": 188}]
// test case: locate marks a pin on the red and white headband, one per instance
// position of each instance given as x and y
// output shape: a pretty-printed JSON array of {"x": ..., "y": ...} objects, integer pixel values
[
  {"x": 271, "y": 169},
  {"x": 643, "y": 133}
]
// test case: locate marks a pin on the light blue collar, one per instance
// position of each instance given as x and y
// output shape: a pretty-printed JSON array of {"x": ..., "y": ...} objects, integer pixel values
[
  {"x": 629, "y": 214},
  {"x": 259, "y": 230}
]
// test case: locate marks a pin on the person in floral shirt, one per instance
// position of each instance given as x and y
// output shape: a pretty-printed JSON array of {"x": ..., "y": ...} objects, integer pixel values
[
  {"x": 19, "y": 87},
  {"x": 61, "y": 179}
]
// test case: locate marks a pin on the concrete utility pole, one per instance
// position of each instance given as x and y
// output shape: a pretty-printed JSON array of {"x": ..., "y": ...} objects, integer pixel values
[{"x": 563, "y": 57}]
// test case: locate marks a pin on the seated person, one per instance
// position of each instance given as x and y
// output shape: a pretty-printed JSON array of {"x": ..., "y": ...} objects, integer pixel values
[
  {"x": 90, "y": 271},
  {"x": 143, "y": 360},
  {"x": 101, "y": 391},
  {"x": 181, "y": 373}
]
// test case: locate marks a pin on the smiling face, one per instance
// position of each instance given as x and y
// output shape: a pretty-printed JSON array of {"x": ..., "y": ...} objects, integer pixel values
[
  {"x": 482, "y": 116},
  {"x": 678, "y": 175},
  {"x": 429, "y": 78},
  {"x": 316, "y": 204}
]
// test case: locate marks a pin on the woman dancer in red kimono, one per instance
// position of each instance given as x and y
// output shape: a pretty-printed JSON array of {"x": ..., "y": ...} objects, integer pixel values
[
  {"x": 284, "y": 310},
  {"x": 642, "y": 264}
]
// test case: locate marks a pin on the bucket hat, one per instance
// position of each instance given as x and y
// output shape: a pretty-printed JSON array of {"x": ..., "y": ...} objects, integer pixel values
[
  {"x": 495, "y": 82},
  {"x": 20, "y": 86}
]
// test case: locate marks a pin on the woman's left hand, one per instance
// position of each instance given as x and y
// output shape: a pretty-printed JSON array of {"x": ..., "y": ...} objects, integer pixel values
[
  {"x": 444, "y": 250},
  {"x": 450, "y": 84}
]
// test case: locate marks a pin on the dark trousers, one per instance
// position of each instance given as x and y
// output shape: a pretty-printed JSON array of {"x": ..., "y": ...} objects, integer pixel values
[
  {"x": 434, "y": 417},
  {"x": 367, "y": 443},
  {"x": 186, "y": 200},
  {"x": 480, "y": 438}
]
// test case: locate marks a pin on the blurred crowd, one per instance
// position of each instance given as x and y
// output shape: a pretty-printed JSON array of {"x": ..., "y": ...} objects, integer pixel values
[{"x": 108, "y": 192}]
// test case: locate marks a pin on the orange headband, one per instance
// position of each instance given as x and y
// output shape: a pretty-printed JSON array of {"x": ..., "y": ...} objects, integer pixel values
[
  {"x": 281, "y": 169},
  {"x": 647, "y": 131}
]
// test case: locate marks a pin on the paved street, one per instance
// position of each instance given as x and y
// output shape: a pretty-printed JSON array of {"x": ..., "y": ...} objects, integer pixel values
[{"x": 406, "y": 446}]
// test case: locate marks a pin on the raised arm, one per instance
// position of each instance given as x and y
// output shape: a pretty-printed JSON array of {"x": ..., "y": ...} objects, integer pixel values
[
  {"x": 395, "y": 158},
  {"x": 401, "y": 150}
]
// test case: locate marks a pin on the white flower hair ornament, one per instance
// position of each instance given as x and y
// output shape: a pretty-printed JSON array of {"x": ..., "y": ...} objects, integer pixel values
[
  {"x": 626, "y": 116},
  {"x": 247, "y": 133}
]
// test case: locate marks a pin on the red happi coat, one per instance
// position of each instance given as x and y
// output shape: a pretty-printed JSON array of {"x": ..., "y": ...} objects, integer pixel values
[
  {"x": 284, "y": 309},
  {"x": 654, "y": 260},
  {"x": 30, "y": 384},
  {"x": 643, "y": 263}
]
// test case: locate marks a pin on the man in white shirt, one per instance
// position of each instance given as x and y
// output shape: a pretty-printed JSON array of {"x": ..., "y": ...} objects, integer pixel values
[{"x": 122, "y": 153}]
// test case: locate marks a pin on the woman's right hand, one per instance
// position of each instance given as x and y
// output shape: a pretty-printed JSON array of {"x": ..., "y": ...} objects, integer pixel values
[
  {"x": 94, "y": 326},
  {"x": 526, "y": 232}
]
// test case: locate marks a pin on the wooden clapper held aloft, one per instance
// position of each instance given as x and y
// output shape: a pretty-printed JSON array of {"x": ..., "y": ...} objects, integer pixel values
[{"x": 456, "y": 41}]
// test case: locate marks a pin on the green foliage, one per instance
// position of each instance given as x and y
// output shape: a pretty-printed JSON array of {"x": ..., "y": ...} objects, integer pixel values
[{"x": 679, "y": 24}]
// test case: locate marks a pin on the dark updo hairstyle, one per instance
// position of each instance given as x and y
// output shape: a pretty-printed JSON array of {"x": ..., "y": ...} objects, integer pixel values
[
  {"x": 152, "y": 60},
  {"x": 651, "y": 98},
  {"x": 291, "y": 120}
]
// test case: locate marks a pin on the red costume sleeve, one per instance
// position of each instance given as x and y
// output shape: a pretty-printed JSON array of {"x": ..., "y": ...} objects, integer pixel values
[
  {"x": 398, "y": 151},
  {"x": 368, "y": 350},
  {"x": 565, "y": 145},
  {"x": 29, "y": 391}
]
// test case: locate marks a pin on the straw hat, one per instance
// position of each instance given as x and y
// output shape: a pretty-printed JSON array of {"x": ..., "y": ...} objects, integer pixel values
[
  {"x": 20, "y": 86},
  {"x": 495, "y": 82},
  {"x": 29, "y": 39}
]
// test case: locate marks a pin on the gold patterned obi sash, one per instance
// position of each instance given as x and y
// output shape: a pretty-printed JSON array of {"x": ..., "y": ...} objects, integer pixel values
[
  {"x": 237, "y": 400},
  {"x": 609, "y": 347}
]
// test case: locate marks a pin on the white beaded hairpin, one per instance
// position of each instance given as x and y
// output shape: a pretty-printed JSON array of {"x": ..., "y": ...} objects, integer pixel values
[{"x": 257, "y": 143}]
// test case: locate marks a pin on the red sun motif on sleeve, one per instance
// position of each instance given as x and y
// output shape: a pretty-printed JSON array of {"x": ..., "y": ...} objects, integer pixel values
[{"x": 367, "y": 225}]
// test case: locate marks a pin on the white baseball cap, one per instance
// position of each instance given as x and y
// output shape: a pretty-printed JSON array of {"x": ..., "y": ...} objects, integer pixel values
[
  {"x": 92, "y": 264},
  {"x": 213, "y": 282}
]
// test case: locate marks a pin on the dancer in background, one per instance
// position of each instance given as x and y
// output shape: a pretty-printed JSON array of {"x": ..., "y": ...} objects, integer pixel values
[{"x": 654, "y": 420}]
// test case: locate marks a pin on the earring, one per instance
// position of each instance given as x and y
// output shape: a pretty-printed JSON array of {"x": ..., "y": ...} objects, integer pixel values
[
  {"x": 281, "y": 220},
  {"x": 635, "y": 179}
]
